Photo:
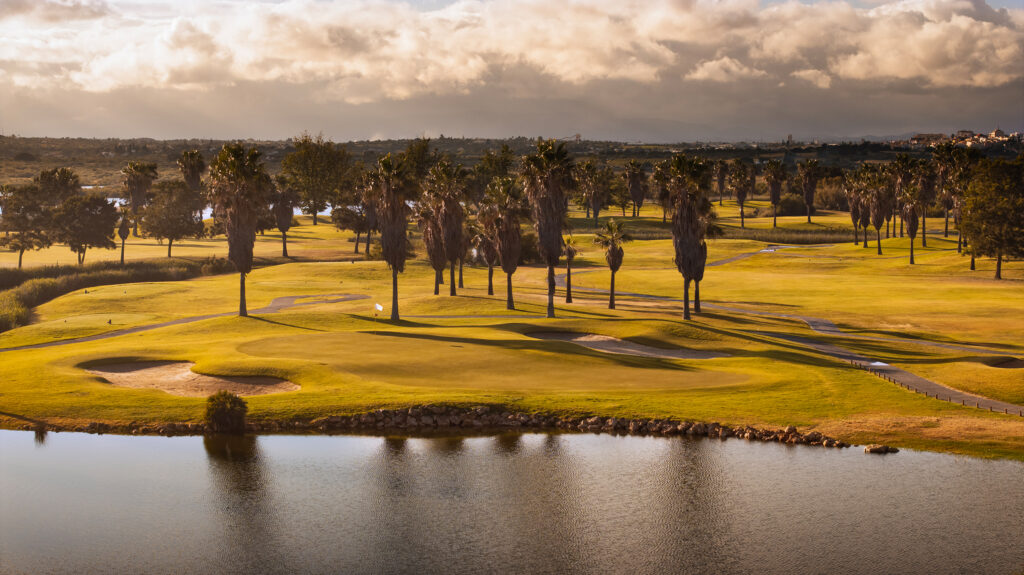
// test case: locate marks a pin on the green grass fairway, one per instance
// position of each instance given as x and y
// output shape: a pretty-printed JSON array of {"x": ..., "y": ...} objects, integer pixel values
[{"x": 347, "y": 361}]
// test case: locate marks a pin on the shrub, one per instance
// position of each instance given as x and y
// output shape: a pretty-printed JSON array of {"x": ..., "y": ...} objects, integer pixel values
[
  {"x": 830, "y": 196},
  {"x": 225, "y": 413},
  {"x": 789, "y": 205},
  {"x": 529, "y": 253}
]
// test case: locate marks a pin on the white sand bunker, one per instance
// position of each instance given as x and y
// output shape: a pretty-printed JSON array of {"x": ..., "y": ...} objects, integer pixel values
[
  {"x": 177, "y": 378},
  {"x": 609, "y": 344}
]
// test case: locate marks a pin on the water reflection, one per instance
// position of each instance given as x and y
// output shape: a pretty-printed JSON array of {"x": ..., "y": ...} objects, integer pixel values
[{"x": 40, "y": 435}]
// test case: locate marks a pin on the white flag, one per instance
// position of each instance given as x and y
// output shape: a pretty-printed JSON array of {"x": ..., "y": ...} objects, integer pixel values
[{"x": 380, "y": 307}]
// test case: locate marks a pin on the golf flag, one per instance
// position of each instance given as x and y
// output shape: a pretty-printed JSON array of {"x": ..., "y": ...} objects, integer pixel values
[{"x": 379, "y": 307}]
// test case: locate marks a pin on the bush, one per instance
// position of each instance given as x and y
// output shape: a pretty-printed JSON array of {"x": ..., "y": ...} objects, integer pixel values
[
  {"x": 789, "y": 205},
  {"x": 225, "y": 413},
  {"x": 529, "y": 253},
  {"x": 830, "y": 196}
]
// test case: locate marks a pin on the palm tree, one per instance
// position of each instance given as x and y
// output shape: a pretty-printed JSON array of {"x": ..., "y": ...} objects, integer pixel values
[
  {"x": 851, "y": 185},
  {"x": 741, "y": 179},
  {"x": 810, "y": 172},
  {"x": 689, "y": 180},
  {"x": 137, "y": 179},
  {"x": 611, "y": 239},
  {"x": 902, "y": 172},
  {"x": 485, "y": 243},
  {"x": 57, "y": 185},
  {"x": 445, "y": 185},
  {"x": 571, "y": 251},
  {"x": 506, "y": 198},
  {"x": 238, "y": 190},
  {"x": 393, "y": 192},
  {"x": 636, "y": 183},
  {"x": 879, "y": 209},
  {"x": 192, "y": 164},
  {"x": 910, "y": 217},
  {"x": 721, "y": 174},
  {"x": 590, "y": 184},
  {"x": 283, "y": 201},
  {"x": 124, "y": 230},
  {"x": 774, "y": 175},
  {"x": 429, "y": 216},
  {"x": 925, "y": 175},
  {"x": 547, "y": 175},
  {"x": 661, "y": 178}
]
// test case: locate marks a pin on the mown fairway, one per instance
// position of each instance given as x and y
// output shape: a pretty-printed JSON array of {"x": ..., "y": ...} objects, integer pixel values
[{"x": 348, "y": 361}]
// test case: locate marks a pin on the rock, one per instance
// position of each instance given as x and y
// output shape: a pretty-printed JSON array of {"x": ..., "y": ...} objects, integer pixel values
[
  {"x": 878, "y": 448},
  {"x": 790, "y": 430}
]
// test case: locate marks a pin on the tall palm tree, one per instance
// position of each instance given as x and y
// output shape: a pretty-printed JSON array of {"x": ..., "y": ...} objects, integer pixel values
[
  {"x": 590, "y": 186},
  {"x": 192, "y": 165},
  {"x": 485, "y": 243},
  {"x": 394, "y": 193},
  {"x": 853, "y": 199},
  {"x": 660, "y": 177},
  {"x": 810, "y": 172},
  {"x": 741, "y": 180},
  {"x": 902, "y": 172},
  {"x": 137, "y": 178},
  {"x": 910, "y": 217},
  {"x": 636, "y": 183},
  {"x": 239, "y": 185},
  {"x": 429, "y": 216},
  {"x": 447, "y": 182},
  {"x": 547, "y": 176},
  {"x": 774, "y": 175},
  {"x": 571, "y": 251},
  {"x": 925, "y": 175},
  {"x": 721, "y": 175},
  {"x": 507, "y": 200},
  {"x": 689, "y": 180},
  {"x": 879, "y": 209},
  {"x": 124, "y": 229},
  {"x": 611, "y": 239}
]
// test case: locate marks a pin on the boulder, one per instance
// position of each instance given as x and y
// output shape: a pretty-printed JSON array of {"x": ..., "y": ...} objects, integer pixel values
[{"x": 879, "y": 448}]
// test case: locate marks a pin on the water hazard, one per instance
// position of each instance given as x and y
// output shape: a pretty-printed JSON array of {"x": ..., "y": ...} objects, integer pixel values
[{"x": 531, "y": 503}]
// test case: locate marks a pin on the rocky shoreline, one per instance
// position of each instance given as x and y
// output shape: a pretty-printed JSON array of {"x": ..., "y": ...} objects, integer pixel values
[{"x": 480, "y": 419}]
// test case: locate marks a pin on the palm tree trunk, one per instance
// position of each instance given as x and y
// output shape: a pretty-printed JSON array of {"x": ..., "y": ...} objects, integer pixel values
[
  {"x": 451, "y": 278},
  {"x": 490, "y": 279},
  {"x": 999, "y": 264},
  {"x": 509, "y": 304},
  {"x": 686, "y": 299},
  {"x": 878, "y": 240},
  {"x": 911, "y": 251},
  {"x": 122, "y": 254},
  {"x": 808, "y": 206},
  {"x": 394, "y": 294},
  {"x": 775, "y": 215},
  {"x": 972, "y": 261},
  {"x": 588, "y": 210},
  {"x": 945, "y": 233},
  {"x": 901, "y": 226},
  {"x": 357, "y": 242},
  {"x": 959, "y": 242},
  {"x": 314, "y": 217},
  {"x": 551, "y": 291},
  {"x": 437, "y": 282},
  {"x": 611, "y": 293},
  {"x": 568, "y": 281},
  {"x": 366, "y": 245},
  {"x": 924, "y": 229},
  {"x": 856, "y": 235},
  {"x": 284, "y": 244},
  {"x": 664, "y": 214},
  {"x": 741, "y": 217},
  {"x": 596, "y": 210},
  {"x": 242, "y": 312},
  {"x": 696, "y": 296},
  {"x": 170, "y": 242},
  {"x": 460, "y": 274},
  {"x": 22, "y": 253},
  {"x": 865, "y": 236}
]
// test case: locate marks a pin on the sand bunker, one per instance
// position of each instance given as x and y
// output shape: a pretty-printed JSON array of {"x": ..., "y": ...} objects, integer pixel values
[
  {"x": 609, "y": 344},
  {"x": 177, "y": 378},
  {"x": 1009, "y": 363}
]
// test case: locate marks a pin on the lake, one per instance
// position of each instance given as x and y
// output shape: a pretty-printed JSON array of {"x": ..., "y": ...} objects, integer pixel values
[{"x": 511, "y": 503}]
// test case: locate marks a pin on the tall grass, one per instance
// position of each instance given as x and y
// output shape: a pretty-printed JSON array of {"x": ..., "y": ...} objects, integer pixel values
[
  {"x": 37, "y": 286},
  {"x": 789, "y": 236}
]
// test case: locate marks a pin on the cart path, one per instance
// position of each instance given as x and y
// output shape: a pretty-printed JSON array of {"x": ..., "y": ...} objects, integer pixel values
[{"x": 275, "y": 306}]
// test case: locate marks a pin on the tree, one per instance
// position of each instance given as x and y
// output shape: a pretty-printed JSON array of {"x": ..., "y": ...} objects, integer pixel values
[
  {"x": 571, "y": 251},
  {"x": 317, "y": 170},
  {"x": 810, "y": 173},
  {"x": 993, "y": 211},
  {"x": 485, "y": 243},
  {"x": 925, "y": 194},
  {"x": 853, "y": 198},
  {"x": 192, "y": 166},
  {"x": 611, "y": 239},
  {"x": 636, "y": 184},
  {"x": 721, "y": 175},
  {"x": 137, "y": 178},
  {"x": 25, "y": 221},
  {"x": 352, "y": 218},
  {"x": 505, "y": 197},
  {"x": 774, "y": 175},
  {"x": 661, "y": 178},
  {"x": 547, "y": 175},
  {"x": 741, "y": 179},
  {"x": 492, "y": 165},
  {"x": 283, "y": 200},
  {"x": 689, "y": 180},
  {"x": 590, "y": 185},
  {"x": 446, "y": 185},
  {"x": 84, "y": 222},
  {"x": 57, "y": 185},
  {"x": 172, "y": 213},
  {"x": 124, "y": 229},
  {"x": 394, "y": 193},
  {"x": 429, "y": 217},
  {"x": 901, "y": 171},
  {"x": 238, "y": 188}
]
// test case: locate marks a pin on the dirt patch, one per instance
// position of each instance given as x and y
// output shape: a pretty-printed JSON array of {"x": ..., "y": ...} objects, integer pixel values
[
  {"x": 177, "y": 378},
  {"x": 610, "y": 344}
]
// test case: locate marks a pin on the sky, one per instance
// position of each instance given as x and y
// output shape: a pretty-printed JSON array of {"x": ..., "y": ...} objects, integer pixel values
[{"x": 628, "y": 70}]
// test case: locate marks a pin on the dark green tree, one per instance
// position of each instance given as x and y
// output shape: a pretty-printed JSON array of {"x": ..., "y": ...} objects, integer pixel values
[
  {"x": 84, "y": 222},
  {"x": 173, "y": 213},
  {"x": 25, "y": 220},
  {"x": 137, "y": 178},
  {"x": 611, "y": 239},
  {"x": 318, "y": 170},
  {"x": 993, "y": 211}
]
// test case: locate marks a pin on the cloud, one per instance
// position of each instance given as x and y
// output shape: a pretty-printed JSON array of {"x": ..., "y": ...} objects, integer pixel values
[
  {"x": 816, "y": 77},
  {"x": 368, "y": 52},
  {"x": 724, "y": 69}
]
